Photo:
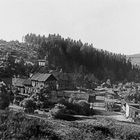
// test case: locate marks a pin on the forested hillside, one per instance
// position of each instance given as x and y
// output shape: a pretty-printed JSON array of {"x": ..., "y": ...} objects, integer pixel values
[
  {"x": 69, "y": 55},
  {"x": 75, "y": 56}
]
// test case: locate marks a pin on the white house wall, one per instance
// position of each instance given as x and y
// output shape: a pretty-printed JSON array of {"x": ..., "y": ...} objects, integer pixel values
[
  {"x": 127, "y": 110},
  {"x": 40, "y": 84},
  {"x": 33, "y": 83},
  {"x": 37, "y": 84}
]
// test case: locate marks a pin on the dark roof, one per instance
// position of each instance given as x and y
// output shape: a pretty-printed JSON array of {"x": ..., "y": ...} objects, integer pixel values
[
  {"x": 27, "y": 82},
  {"x": 18, "y": 82},
  {"x": 42, "y": 69},
  {"x": 62, "y": 76},
  {"x": 42, "y": 77}
]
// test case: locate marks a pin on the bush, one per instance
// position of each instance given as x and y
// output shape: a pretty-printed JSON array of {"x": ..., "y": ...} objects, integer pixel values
[
  {"x": 18, "y": 126},
  {"x": 29, "y": 105},
  {"x": 48, "y": 104},
  {"x": 77, "y": 108},
  {"x": 84, "y": 107},
  {"x": 4, "y": 98},
  {"x": 62, "y": 101},
  {"x": 71, "y": 108},
  {"x": 42, "y": 101},
  {"x": 58, "y": 111}
]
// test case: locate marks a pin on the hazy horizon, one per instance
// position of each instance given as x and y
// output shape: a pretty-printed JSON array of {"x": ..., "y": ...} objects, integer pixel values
[{"x": 112, "y": 25}]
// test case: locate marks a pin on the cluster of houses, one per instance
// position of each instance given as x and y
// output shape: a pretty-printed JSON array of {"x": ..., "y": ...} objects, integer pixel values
[
  {"x": 37, "y": 81},
  {"x": 116, "y": 97},
  {"x": 61, "y": 86},
  {"x": 54, "y": 80},
  {"x": 58, "y": 83}
]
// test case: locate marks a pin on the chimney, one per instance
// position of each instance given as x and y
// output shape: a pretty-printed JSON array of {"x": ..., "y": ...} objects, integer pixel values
[{"x": 30, "y": 75}]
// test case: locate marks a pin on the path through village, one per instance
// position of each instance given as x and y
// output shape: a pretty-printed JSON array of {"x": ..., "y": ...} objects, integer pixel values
[{"x": 99, "y": 108}]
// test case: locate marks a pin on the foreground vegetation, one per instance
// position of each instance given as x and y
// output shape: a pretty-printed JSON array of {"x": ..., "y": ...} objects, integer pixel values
[{"x": 19, "y": 126}]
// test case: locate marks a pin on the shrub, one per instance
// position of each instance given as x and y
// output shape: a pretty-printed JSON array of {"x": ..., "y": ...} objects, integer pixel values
[
  {"x": 62, "y": 101},
  {"x": 81, "y": 107},
  {"x": 71, "y": 108},
  {"x": 89, "y": 132},
  {"x": 4, "y": 98},
  {"x": 84, "y": 107},
  {"x": 58, "y": 111},
  {"x": 11, "y": 96},
  {"x": 48, "y": 104},
  {"x": 29, "y": 105},
  {"x": 42, "y": 101},
  {"x": 18, "y": 126},
  {"x": 71, "y": 100}
]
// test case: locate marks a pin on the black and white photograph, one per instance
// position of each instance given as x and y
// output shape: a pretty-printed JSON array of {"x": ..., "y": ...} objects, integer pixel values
[{"x": 69, "y": 69}]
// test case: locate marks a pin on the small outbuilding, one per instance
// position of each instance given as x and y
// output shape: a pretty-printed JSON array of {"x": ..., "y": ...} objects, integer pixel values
[{"x": 131, "y": 110}]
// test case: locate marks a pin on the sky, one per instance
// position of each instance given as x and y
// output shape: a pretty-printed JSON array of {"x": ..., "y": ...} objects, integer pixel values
[{"x": 112, "y": 25}]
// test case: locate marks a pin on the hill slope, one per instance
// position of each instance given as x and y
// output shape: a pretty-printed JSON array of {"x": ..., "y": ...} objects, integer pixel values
[
  {"x": 72, "y": 57},
  {"x": 17, "y": 49},
  {"x": 135, "y": 59}
]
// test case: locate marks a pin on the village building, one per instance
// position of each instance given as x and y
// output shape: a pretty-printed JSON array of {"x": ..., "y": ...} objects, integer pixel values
[
  {"x": 131, "y": 110},
  {"x": 64, "y": 81},
  {"x": 42, "y": 62},
  {"x": 37, "y": 81},
  {"x": 28, "y": 88},
  {"x": 112, "y": 94},
  {"x": 112, "y": 105},
  {"x": 18, "y": 84},
  {"x": 40, "y": 80}
]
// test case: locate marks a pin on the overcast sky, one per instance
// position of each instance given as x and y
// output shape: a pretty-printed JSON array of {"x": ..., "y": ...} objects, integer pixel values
[{"x": 113, "y": 25}]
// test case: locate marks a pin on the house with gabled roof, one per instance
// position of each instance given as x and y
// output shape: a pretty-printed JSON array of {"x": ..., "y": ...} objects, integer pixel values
[{"x": 39, "y": 80}]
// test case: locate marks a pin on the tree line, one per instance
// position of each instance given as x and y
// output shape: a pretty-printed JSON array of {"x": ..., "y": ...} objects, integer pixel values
[{"x": 76, "y": 57}]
